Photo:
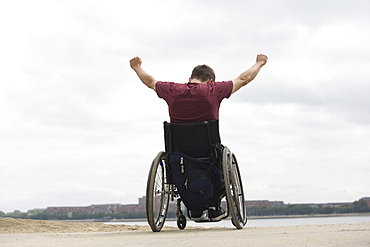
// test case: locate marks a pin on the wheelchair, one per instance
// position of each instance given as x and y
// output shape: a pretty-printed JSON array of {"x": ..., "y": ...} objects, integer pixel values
[{"x": 198, "y": 140}]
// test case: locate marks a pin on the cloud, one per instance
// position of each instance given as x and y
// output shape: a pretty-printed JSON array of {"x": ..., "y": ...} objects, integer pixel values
[
  {"x": 279, "y": 145},
  {"x": 79, "y": 128}
]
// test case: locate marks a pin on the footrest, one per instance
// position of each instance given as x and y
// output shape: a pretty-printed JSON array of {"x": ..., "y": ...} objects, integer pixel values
[{"x": 206, "y": 219}]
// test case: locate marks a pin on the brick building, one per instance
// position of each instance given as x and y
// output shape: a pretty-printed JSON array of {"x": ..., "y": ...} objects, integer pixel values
[{"x": 367, "y": 200}]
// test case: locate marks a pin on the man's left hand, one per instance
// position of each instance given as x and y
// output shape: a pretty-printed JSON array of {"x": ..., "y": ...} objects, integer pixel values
[{"x": 135, "y": 62}]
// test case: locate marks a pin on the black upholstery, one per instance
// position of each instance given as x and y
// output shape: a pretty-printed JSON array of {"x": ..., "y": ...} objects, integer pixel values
[{"x": 198, "y": 140}]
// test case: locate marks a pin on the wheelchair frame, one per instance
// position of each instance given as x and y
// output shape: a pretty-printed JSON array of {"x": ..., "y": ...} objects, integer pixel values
[{"x": 161, "y": 189}]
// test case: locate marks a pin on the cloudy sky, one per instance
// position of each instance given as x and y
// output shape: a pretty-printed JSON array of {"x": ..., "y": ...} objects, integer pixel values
[{"x": 78, "y": 127}]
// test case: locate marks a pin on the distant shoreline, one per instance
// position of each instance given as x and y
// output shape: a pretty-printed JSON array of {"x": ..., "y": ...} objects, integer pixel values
[
  {"x": 307, "y": 216},
  {"x": 249, "y": 217}
]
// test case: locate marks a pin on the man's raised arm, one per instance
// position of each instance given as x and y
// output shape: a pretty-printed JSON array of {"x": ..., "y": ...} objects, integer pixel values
[
  {"x": 147, "y": 79},
  {"x": 248, "y": 75}
]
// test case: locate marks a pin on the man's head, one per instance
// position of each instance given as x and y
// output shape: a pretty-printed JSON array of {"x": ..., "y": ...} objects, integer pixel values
[{"x": 203, "y": 73}]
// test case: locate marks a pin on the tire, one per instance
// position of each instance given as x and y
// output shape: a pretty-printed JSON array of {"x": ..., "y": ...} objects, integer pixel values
[
  {"x": 157, "y": 193},
  {"x": 234, "y": 189}
]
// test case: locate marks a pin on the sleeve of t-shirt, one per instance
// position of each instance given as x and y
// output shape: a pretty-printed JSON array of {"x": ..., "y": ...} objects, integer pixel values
[
  {"x": 162, "y": 88},
  {"x": 224, "y": 89}
]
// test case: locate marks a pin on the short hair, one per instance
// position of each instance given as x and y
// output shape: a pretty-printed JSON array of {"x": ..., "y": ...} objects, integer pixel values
[{"x": 203, "y": 73}]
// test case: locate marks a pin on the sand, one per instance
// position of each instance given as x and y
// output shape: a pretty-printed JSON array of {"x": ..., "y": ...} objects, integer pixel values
[{"x": 27, "y": 233}]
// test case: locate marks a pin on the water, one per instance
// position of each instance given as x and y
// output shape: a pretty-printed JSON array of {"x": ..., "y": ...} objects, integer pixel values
[{"x": 266, "y": 222}]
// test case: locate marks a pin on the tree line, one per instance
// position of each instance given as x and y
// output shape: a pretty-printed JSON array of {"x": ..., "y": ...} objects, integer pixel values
[{"x": 359, "y": 206}]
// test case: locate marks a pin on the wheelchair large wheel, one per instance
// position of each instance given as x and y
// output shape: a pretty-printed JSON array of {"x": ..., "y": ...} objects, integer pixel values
[
  {"x": 157, "y": 193},
  {"x": 234, "y": 189}
]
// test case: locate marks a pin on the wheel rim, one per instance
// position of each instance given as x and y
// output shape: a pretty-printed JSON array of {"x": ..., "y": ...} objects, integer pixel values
[
  {"x": 234, "y": 189},
  {"x": 157, "y": 194},
  {"x": 238, "y": 193}
]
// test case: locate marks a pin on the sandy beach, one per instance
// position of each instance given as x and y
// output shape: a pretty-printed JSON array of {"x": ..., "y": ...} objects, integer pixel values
[{"x": 27, "y": 233}]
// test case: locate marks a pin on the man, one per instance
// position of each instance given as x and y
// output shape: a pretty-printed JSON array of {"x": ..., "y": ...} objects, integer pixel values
[{"x": 198, "y": 100}]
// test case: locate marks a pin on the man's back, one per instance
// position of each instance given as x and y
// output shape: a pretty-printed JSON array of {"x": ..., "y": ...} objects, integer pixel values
[{"x": 193, "y": 102}]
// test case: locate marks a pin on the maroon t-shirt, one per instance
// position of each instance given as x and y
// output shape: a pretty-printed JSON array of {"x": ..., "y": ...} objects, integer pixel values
[{"x": 193, "y": 102}]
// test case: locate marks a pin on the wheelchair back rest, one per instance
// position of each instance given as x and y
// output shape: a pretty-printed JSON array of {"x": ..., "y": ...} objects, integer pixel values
[{"x": 194, "y": 139}]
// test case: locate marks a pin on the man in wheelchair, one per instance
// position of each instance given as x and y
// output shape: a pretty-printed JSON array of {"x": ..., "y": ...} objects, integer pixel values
[{"x": 195, "y": 102}]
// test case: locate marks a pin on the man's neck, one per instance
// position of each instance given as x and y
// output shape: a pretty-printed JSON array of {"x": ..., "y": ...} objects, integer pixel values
[{"x": 195, "y": 80}]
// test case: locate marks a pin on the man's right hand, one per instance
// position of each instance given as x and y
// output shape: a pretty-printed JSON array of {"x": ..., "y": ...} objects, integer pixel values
[
  {"x": 135, "y": 62},
  {"x": 248, "y": 75}
]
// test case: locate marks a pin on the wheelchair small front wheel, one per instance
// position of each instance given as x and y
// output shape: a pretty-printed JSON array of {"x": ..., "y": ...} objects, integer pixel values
[
  {"x": 181, "y": 222},
  {"x": 157, "y": 193}
]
